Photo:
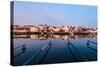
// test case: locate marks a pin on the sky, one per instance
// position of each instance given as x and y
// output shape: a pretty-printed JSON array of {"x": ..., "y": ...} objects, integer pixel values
[{"x": 34, "y": 13}]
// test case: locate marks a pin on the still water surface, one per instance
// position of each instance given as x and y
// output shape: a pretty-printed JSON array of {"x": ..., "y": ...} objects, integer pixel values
[{"x": 44, "y": 49}]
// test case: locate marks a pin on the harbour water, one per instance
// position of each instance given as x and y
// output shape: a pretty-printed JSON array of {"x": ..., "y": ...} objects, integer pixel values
[{"x": 47, "y": 49}]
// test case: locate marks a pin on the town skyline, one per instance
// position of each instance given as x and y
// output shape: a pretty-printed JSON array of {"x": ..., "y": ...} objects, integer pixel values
[
  {"x": 42, "y": 29},
  {"x": 54, "y": 14},
  {"x": 53, "y": 25}
]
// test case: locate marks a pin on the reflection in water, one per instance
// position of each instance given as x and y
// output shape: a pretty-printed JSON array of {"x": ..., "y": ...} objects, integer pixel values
[
  {"x": 47, "y": 36},
  {"x": 44, "y": 49}
]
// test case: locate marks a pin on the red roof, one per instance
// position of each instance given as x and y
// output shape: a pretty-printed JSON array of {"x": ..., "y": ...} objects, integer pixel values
[{"x": 23, "y": 28}]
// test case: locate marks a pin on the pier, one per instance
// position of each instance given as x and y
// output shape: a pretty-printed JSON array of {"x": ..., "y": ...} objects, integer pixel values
[
  {"x": 22, "y": 50},
  {"x": 45, "y": 47},
  {"x": 89, "y": 45},
  {"x": 54, "y": 49},
  {"x": 73, "y": 49}
]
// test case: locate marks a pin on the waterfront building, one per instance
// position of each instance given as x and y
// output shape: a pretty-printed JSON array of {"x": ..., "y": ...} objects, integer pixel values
[
  {"x": 32, "y": 28},
  {"x": 21, "y": 30}
]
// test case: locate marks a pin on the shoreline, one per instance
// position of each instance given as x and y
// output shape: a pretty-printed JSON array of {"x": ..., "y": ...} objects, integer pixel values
[{"x": 56, "y": 33}]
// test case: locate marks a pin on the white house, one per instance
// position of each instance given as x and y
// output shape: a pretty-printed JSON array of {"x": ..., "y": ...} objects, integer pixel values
[{"x": 33, "y": 29}]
